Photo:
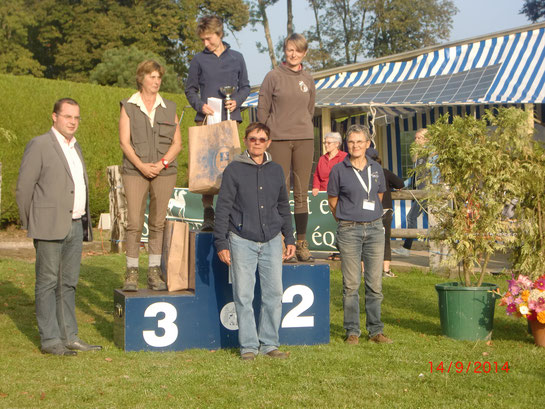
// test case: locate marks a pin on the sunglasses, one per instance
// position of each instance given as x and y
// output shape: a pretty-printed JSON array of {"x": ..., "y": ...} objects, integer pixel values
[{"x": 254, "y": 139}]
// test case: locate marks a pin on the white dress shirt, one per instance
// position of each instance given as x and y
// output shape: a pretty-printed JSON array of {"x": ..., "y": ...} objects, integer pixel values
[{"x": 76, "y": 169}]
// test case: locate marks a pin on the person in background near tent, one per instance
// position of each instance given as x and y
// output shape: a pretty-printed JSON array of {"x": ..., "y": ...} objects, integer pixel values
[
  {"x": 355, "y": 190},
  {"x": 392, "y": 182},
  {"x": 286, "y": 106},
  {"x": 216, "y": 66},
  {"x": 149, "y": 135},
  {"x": 253, "y": 212},
  {"x": 333, "y": 142},
  {"x": 53, "y": 198},
  {"x": 416, "y": 206}
]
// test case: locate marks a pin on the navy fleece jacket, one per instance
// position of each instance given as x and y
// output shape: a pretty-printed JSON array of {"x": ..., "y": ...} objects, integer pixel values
[
  {"x": 208, "y": 72},
  {"x": 253, "y": 202}
]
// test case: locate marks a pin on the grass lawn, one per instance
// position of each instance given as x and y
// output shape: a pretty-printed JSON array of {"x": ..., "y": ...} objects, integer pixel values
[{"x": 325, "y": 376}]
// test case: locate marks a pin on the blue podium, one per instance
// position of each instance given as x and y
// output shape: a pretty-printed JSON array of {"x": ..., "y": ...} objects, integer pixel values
[{"x": 205, "y": 317}]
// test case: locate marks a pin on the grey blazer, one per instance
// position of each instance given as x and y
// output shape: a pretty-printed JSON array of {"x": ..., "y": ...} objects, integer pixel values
[{"x": 45, "y": 190}]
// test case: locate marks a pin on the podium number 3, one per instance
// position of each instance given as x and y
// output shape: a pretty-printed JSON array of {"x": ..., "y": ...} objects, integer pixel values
[{"x": 167, "y": 323}]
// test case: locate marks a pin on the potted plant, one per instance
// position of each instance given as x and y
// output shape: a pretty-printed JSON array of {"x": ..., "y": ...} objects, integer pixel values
[
  {"x": 526, "y": 298},
  {"x": 479, "y": 164}
]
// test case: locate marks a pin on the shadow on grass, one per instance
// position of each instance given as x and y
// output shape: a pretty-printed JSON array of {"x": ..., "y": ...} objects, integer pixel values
[
  {"x": 412, "y": 305},
  {"x": 94, "y": 297},
  {"x": 19, "y": 307},
  {"x": 409, "y": 302}
]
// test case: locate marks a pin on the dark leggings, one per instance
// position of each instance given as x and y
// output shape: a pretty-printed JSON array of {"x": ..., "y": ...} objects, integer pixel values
[
  {"x": 387, "y": 223},
  {"x": 296, "y": 156}
]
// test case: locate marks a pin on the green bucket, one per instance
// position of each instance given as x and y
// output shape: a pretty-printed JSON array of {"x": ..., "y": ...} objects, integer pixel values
[{"x": 466, "y": 313}]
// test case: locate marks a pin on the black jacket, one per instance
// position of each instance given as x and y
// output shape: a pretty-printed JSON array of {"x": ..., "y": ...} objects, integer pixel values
[{"x": 392, "y": 182}]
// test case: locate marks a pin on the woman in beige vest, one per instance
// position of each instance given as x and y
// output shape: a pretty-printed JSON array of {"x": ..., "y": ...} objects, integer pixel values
[{"x": 149, "y": 135}]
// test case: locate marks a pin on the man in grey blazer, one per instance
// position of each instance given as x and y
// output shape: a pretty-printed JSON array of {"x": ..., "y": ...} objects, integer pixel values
[{"x": 53, "y": 199}]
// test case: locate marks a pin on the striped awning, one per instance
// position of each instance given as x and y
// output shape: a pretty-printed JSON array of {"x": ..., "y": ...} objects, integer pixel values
[{"x": 502, "y": 69}]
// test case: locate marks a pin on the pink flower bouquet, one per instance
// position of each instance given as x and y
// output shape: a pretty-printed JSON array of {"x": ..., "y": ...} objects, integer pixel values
[{"x": 526, "y": 298}]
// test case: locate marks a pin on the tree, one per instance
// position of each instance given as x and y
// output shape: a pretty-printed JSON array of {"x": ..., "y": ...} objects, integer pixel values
[
  {"x": 534, "y": 9},
  {"x": 348, "y": 30},
  {"x": 485, "y": 163},
  {"x": 118, "y": 68},
  {"x": 289, "y": 27},
  {"x": 344, "y": 24},
  {"x": 67, "y": 39},
  {"x": 73, "y": 36},
  {"x": 258, "y": 15},
  {"x": 401, "y": 25},
  {"x": 319, "y": 55},
  {"x": 15, "y": 57}
]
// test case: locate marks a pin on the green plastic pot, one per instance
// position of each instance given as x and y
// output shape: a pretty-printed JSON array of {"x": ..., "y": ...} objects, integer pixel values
[{"x": 466, "y": 313}]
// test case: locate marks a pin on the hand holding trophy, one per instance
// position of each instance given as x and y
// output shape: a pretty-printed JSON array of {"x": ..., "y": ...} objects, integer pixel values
[{"x": 227, "y": 90}]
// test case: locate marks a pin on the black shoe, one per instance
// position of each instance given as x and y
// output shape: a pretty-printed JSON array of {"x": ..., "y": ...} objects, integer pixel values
[
  {"x": 82, "y": 346},
  {"x": 58, "y": 349}
]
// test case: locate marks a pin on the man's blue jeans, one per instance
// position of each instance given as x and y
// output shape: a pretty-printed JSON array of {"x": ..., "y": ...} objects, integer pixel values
[
  {"x": 57, "y": 273},
  {"x": 246, "y": 257},
  {"x": 359, "y": 242}
]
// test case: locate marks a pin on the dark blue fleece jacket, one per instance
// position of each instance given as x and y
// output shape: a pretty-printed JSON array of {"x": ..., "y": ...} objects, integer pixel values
[
  {"x": 253, "y": 202},
  {"x": 208, "y": 72}
]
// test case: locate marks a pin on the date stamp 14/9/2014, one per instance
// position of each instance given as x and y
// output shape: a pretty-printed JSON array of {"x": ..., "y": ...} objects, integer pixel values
[{"x": 469, "y": 367}]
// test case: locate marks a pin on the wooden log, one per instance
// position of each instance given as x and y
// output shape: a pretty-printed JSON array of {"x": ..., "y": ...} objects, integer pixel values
[
  {"x": 118, "y": 209},
  {"x": 409, "y": 233},
  {"x": 408, "y": 194}
]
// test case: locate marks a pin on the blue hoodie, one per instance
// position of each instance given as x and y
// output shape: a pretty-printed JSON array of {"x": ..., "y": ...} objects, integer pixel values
[{"x": 253, "y": 202}]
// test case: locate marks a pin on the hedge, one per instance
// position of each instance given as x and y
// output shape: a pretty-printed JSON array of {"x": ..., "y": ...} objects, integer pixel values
[{"x": 26, "y": 108}]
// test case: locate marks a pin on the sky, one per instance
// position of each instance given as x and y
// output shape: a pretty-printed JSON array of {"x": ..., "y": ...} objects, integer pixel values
[{"x": 474, "y": 18}]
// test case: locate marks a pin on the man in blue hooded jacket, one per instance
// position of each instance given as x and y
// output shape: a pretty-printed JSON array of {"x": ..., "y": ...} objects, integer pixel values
[{"x": 253, "y": 213}]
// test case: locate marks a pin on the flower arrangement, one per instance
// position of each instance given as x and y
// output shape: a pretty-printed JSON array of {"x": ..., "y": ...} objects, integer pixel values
[{"x": 526, "y": 298}]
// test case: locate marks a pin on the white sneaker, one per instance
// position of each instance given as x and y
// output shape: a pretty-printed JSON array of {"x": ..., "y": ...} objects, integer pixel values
[{"x": 402, "y": 251}]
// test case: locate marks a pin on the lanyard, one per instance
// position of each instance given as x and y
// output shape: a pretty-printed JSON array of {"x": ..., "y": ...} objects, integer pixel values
[{"x": 367, "y": 189}]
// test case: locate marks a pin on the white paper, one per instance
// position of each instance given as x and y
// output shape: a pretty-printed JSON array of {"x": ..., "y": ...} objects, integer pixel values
[{"x": 217, "y": 105}]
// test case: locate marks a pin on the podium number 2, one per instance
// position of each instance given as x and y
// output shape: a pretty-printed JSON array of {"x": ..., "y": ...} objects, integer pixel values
[
  {"x": 293, "y": 318},
  {"x": 167, "y": 323}
]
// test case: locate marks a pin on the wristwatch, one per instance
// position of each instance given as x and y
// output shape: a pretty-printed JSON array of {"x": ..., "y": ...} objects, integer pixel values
[{"x": 165, "y": 163}]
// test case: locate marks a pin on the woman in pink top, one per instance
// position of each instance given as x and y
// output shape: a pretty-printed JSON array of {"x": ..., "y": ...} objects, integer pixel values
[{"x": 333, "y": 155}]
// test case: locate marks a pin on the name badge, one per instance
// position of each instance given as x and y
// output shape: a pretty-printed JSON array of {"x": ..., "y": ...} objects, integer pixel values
[{"x": 368, "y": 205}]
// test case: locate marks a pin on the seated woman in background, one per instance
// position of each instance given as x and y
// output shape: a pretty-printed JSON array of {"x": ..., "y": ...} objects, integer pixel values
[{"x": 333, "y": 155}]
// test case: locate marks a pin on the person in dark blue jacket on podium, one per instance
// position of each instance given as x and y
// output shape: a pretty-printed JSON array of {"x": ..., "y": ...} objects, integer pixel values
[{"x": 252, "y": 214}]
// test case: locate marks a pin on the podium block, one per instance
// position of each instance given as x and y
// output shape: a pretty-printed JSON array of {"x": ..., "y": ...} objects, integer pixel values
[{"x": 206, "y": 318}]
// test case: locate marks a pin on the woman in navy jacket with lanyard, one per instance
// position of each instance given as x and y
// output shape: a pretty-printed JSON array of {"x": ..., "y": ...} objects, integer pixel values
[{"x": 355, "y": 190}]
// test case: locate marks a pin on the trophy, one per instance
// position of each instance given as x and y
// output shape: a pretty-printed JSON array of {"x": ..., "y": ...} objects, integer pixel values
[{"x": 227, "y": 90}]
